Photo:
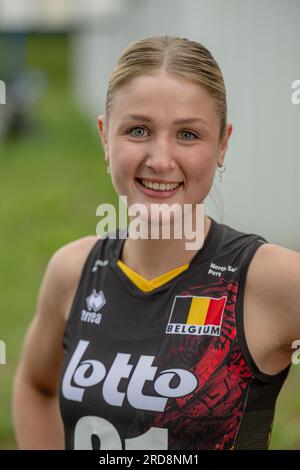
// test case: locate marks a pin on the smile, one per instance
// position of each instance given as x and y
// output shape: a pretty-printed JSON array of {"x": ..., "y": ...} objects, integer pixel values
[
  {"x": 158, "y": 189},
  {"x": 166, "y": 186}
]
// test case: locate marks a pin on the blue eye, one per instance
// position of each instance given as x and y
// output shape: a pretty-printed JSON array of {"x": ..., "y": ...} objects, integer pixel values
[
  {"x": 138, "y": 133},
  {"x": 191, "y": 135}
]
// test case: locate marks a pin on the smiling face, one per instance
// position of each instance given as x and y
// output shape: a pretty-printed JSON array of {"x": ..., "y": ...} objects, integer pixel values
[{"x": 162, "y": 141}]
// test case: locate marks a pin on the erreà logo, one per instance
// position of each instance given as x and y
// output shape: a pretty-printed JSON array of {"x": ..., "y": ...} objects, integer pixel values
[
  {"x": 192, "y": 315},
  {"x": 95, "y": 301}
]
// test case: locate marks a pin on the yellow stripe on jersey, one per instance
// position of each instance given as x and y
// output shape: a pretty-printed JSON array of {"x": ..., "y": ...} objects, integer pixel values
[
  {"x": 198, "y": 310},
  {"x": 146, "y": 285}
]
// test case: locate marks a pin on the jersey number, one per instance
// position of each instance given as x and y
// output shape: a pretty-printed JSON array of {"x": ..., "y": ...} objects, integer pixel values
[{"x": 89, "y": 426}]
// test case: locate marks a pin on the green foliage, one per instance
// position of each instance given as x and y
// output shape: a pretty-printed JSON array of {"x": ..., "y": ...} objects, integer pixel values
[{"x": 51, "y": 181}]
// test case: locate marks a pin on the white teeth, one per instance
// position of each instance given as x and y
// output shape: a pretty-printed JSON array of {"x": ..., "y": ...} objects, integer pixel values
[{"x": 160, "y": 187}]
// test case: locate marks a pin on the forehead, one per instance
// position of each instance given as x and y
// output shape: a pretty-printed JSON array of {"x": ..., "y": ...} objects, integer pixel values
[{"x": 163, "y": 93}]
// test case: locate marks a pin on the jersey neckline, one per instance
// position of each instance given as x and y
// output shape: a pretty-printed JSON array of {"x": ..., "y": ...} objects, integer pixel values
[{"x": 203, "y": 254}]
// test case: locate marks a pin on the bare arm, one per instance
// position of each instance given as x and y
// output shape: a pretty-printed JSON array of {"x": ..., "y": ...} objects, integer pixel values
[
  {"x": 279, "y": 289},
  {"x": 273, "y": 285},
  {"x": 37, "y": 418}
]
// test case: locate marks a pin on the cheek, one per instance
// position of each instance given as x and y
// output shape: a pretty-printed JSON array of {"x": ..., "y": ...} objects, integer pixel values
[
  {"x": 125, "y": 158},
  {"x": 123, "y": 166},
  {"x": 201, "y": 166},
  {"x": 200, "y": 172}
]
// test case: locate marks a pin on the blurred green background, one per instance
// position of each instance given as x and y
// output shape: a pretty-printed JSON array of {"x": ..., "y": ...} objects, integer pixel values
[{"x": 52, "y": 180}]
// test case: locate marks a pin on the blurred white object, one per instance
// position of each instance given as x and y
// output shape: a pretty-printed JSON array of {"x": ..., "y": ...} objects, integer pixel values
[
  {"x": 53, "y": 14},
  {"x": 34, "y": 14},
  {"x": 2, "y": 92}
]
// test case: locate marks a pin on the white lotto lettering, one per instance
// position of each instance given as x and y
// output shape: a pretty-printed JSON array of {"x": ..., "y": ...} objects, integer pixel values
[
  {"x": 119, "y": 370},
  {"x": 98, "y": 373},
  {"x": 76, "y": 380},
  {"x": 187, "y": 383}
]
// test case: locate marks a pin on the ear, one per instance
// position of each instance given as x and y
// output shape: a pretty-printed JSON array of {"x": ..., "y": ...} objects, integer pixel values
[
  {"x": 103, "y": 134},
  {"x": 224, "y": 144}
]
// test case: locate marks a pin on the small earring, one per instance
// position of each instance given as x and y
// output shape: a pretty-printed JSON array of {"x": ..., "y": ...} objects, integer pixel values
[
  {"x": 108, "y": 169},
  {"x": 220, "y": 170}
]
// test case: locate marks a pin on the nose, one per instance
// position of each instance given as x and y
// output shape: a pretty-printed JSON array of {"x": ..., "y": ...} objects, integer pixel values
[{"x": 160, "y": 156}]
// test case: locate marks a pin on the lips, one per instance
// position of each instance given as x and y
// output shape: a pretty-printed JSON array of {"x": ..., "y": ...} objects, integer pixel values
[{"x": 157, "y": 193}]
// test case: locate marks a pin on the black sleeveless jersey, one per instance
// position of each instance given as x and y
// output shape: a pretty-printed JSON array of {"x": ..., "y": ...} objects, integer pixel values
[{"x": 170, "y": 368}]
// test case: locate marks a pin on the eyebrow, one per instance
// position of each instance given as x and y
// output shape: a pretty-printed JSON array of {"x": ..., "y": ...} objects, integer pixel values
[{"x": 141, "y": 117}]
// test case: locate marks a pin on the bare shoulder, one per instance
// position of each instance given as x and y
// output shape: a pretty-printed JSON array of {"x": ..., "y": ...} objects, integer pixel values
[
  {"x": 272, "y": 304},
  {"x": 42, "y": 354},
  {"x": 277, "y": 253},
  {"x": 274, "y": 273},
  {"x": 68, "y": 259},
  {"x": 65, "y": 267}
]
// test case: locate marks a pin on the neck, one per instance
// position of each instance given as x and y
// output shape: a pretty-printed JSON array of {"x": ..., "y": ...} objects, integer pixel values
[{"x": 152, "y": 257}]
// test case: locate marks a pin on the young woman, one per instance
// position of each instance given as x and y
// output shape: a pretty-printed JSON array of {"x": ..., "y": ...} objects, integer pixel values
[{"x": 164, "y": 347}]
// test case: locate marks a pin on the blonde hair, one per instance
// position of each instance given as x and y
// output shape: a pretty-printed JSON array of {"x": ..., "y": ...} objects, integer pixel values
[{"x": 175, "y": 55}]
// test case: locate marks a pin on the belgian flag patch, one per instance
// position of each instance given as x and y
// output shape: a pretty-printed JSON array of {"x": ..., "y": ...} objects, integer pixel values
[{"x": 193, "y": 315}]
